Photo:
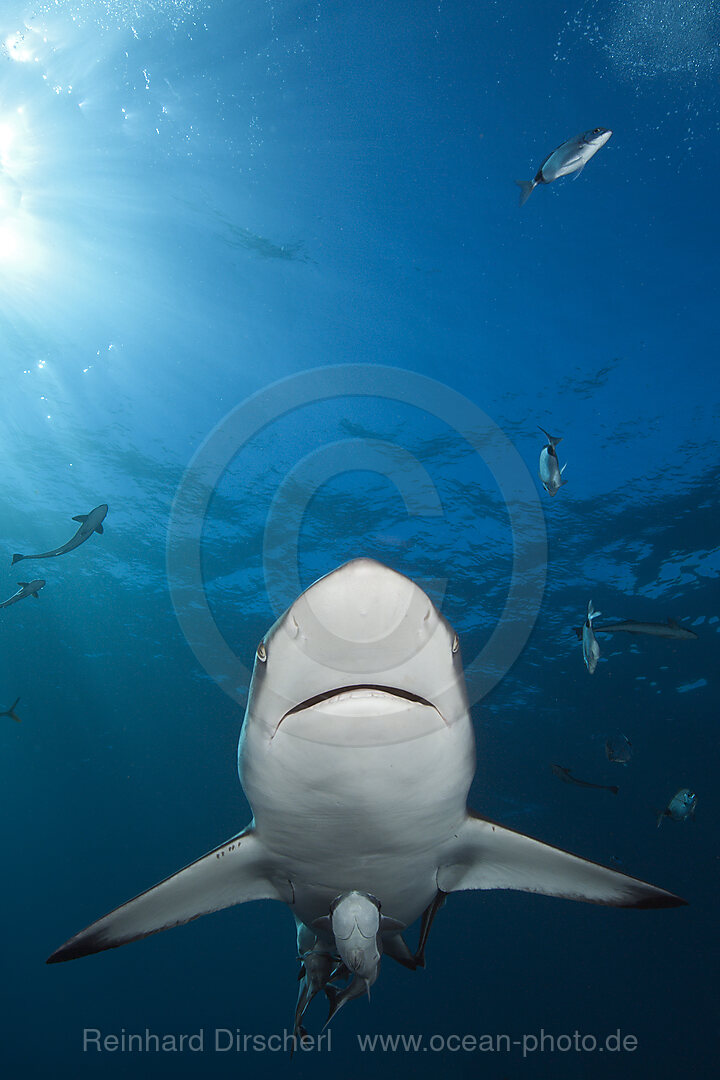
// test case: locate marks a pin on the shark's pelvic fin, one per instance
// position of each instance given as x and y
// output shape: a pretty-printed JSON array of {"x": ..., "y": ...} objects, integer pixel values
[
  {"x": 234, "y": 873},
  {"x": 396, "y": 948},
  {"x": 489, "y": 856},
  {"x": 428, "y": 918}
]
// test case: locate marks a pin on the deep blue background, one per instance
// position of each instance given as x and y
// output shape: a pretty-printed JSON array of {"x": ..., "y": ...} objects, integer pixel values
[{"x": 199, "y": 199}]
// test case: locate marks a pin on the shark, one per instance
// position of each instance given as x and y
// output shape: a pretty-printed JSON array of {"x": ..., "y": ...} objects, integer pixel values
[
  {"x": 27, "y": 588},
  {"x": 89, "y": 524},
  {"x": 566, "y": 775},
  {"x": 356, "y": 755},
  {"x": 11, "y": 711}
]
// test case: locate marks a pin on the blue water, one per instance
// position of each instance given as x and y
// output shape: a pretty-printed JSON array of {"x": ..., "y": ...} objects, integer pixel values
[{"x": 199, "y": 200}]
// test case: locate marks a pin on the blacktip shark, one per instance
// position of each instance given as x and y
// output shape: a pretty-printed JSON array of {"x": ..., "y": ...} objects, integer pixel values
[
  {"x": 590, "y": 647},
  {"x": 89, "y": 524},
  {"x": 570, "y": 157},
  {"x": 27, "y": 588},
  {"x": 669, "y": 629},
  {"x": 549, "y": 469},
  {"x": 356, "y": 754}
]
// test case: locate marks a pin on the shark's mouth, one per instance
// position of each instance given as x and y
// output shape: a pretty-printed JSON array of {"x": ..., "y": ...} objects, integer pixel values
[
  {"x": 366, "y": 689},
  {"x": 362, "y": 714}
]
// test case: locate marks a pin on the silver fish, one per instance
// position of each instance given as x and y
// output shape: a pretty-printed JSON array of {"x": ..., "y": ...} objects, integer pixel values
[
  {"x": 549, "y": 469},
  {"x": 590, "y": 647},
  {"x": 681, "y": 807},
  {"x": 571, "y": 157},
  {"x": 618, "y": 748}
]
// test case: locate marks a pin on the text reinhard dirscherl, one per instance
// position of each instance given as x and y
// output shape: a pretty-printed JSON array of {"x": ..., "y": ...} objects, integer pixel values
[{"x": 224, "y": 1040}]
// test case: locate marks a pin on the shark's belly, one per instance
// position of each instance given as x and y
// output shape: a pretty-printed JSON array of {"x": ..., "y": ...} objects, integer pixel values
[{"x": 346, "y": 799}]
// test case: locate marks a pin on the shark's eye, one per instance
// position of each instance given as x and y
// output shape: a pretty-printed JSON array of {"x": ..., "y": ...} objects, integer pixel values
[
  {"x": 456, "y": 644},
  {"x": 262, "y": 652}
]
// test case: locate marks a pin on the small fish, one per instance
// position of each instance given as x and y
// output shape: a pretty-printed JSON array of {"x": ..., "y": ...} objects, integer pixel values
[
  {"x": 89, "y": 523},
  {"x": 681, "y": 807},
  {"x": 318, "y": 967},
  {"x": 337, "y": 998},
  {"x": 571, "y": 157},
  {"x": 11, "y": 711},
  {"x": 618, "y": 748},
  {"x": 357, "y": 928},
  {"x": 549, "y": 469},
  {"x": 590, "y": 647},
  {"x": 669, "y": 629},
  {"x": 566, "y": 775},
  {"x": 27, "y": 588}
]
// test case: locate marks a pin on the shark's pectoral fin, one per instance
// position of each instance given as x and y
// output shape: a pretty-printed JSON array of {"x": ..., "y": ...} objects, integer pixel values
[
  {"x": 80, "y": 518},
  {"x": 99, "y": 529},
  {"x": 489, "y": 856},
  {"x": 238, "y": 871}
]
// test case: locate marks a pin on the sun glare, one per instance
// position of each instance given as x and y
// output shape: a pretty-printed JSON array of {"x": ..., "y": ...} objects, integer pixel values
[{"x": 17, "y": 48}]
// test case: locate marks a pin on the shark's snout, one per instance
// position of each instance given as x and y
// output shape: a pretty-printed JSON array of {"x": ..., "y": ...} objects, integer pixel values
[{"x": 365, "y": 602}]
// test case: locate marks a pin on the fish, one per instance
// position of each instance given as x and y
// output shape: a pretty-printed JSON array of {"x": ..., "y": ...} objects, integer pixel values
[
  {"x": 27, "y": 588},
  {"x": 11, "y": 711},
  {"x": 356, "y": 755},
  {"x": 356, "y": 927},
  {"x": 681, "y": 807},
  {"x": 590, "y": 647},
  {"x": 570, "y": 157},
  {"x": 318, "y": 966},
  {"x": 549, "y": 469},
  {"x": 566, "y": 775},
  {"x": 339, "y": 997},
  {"x": 89, "y": 524},
  {"x": 669, "y": 629},
  {"x": 618, "y": 748}
]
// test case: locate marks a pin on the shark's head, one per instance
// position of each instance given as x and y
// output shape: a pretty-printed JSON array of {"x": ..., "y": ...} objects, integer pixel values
[{"x": 363, "y": 631}]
